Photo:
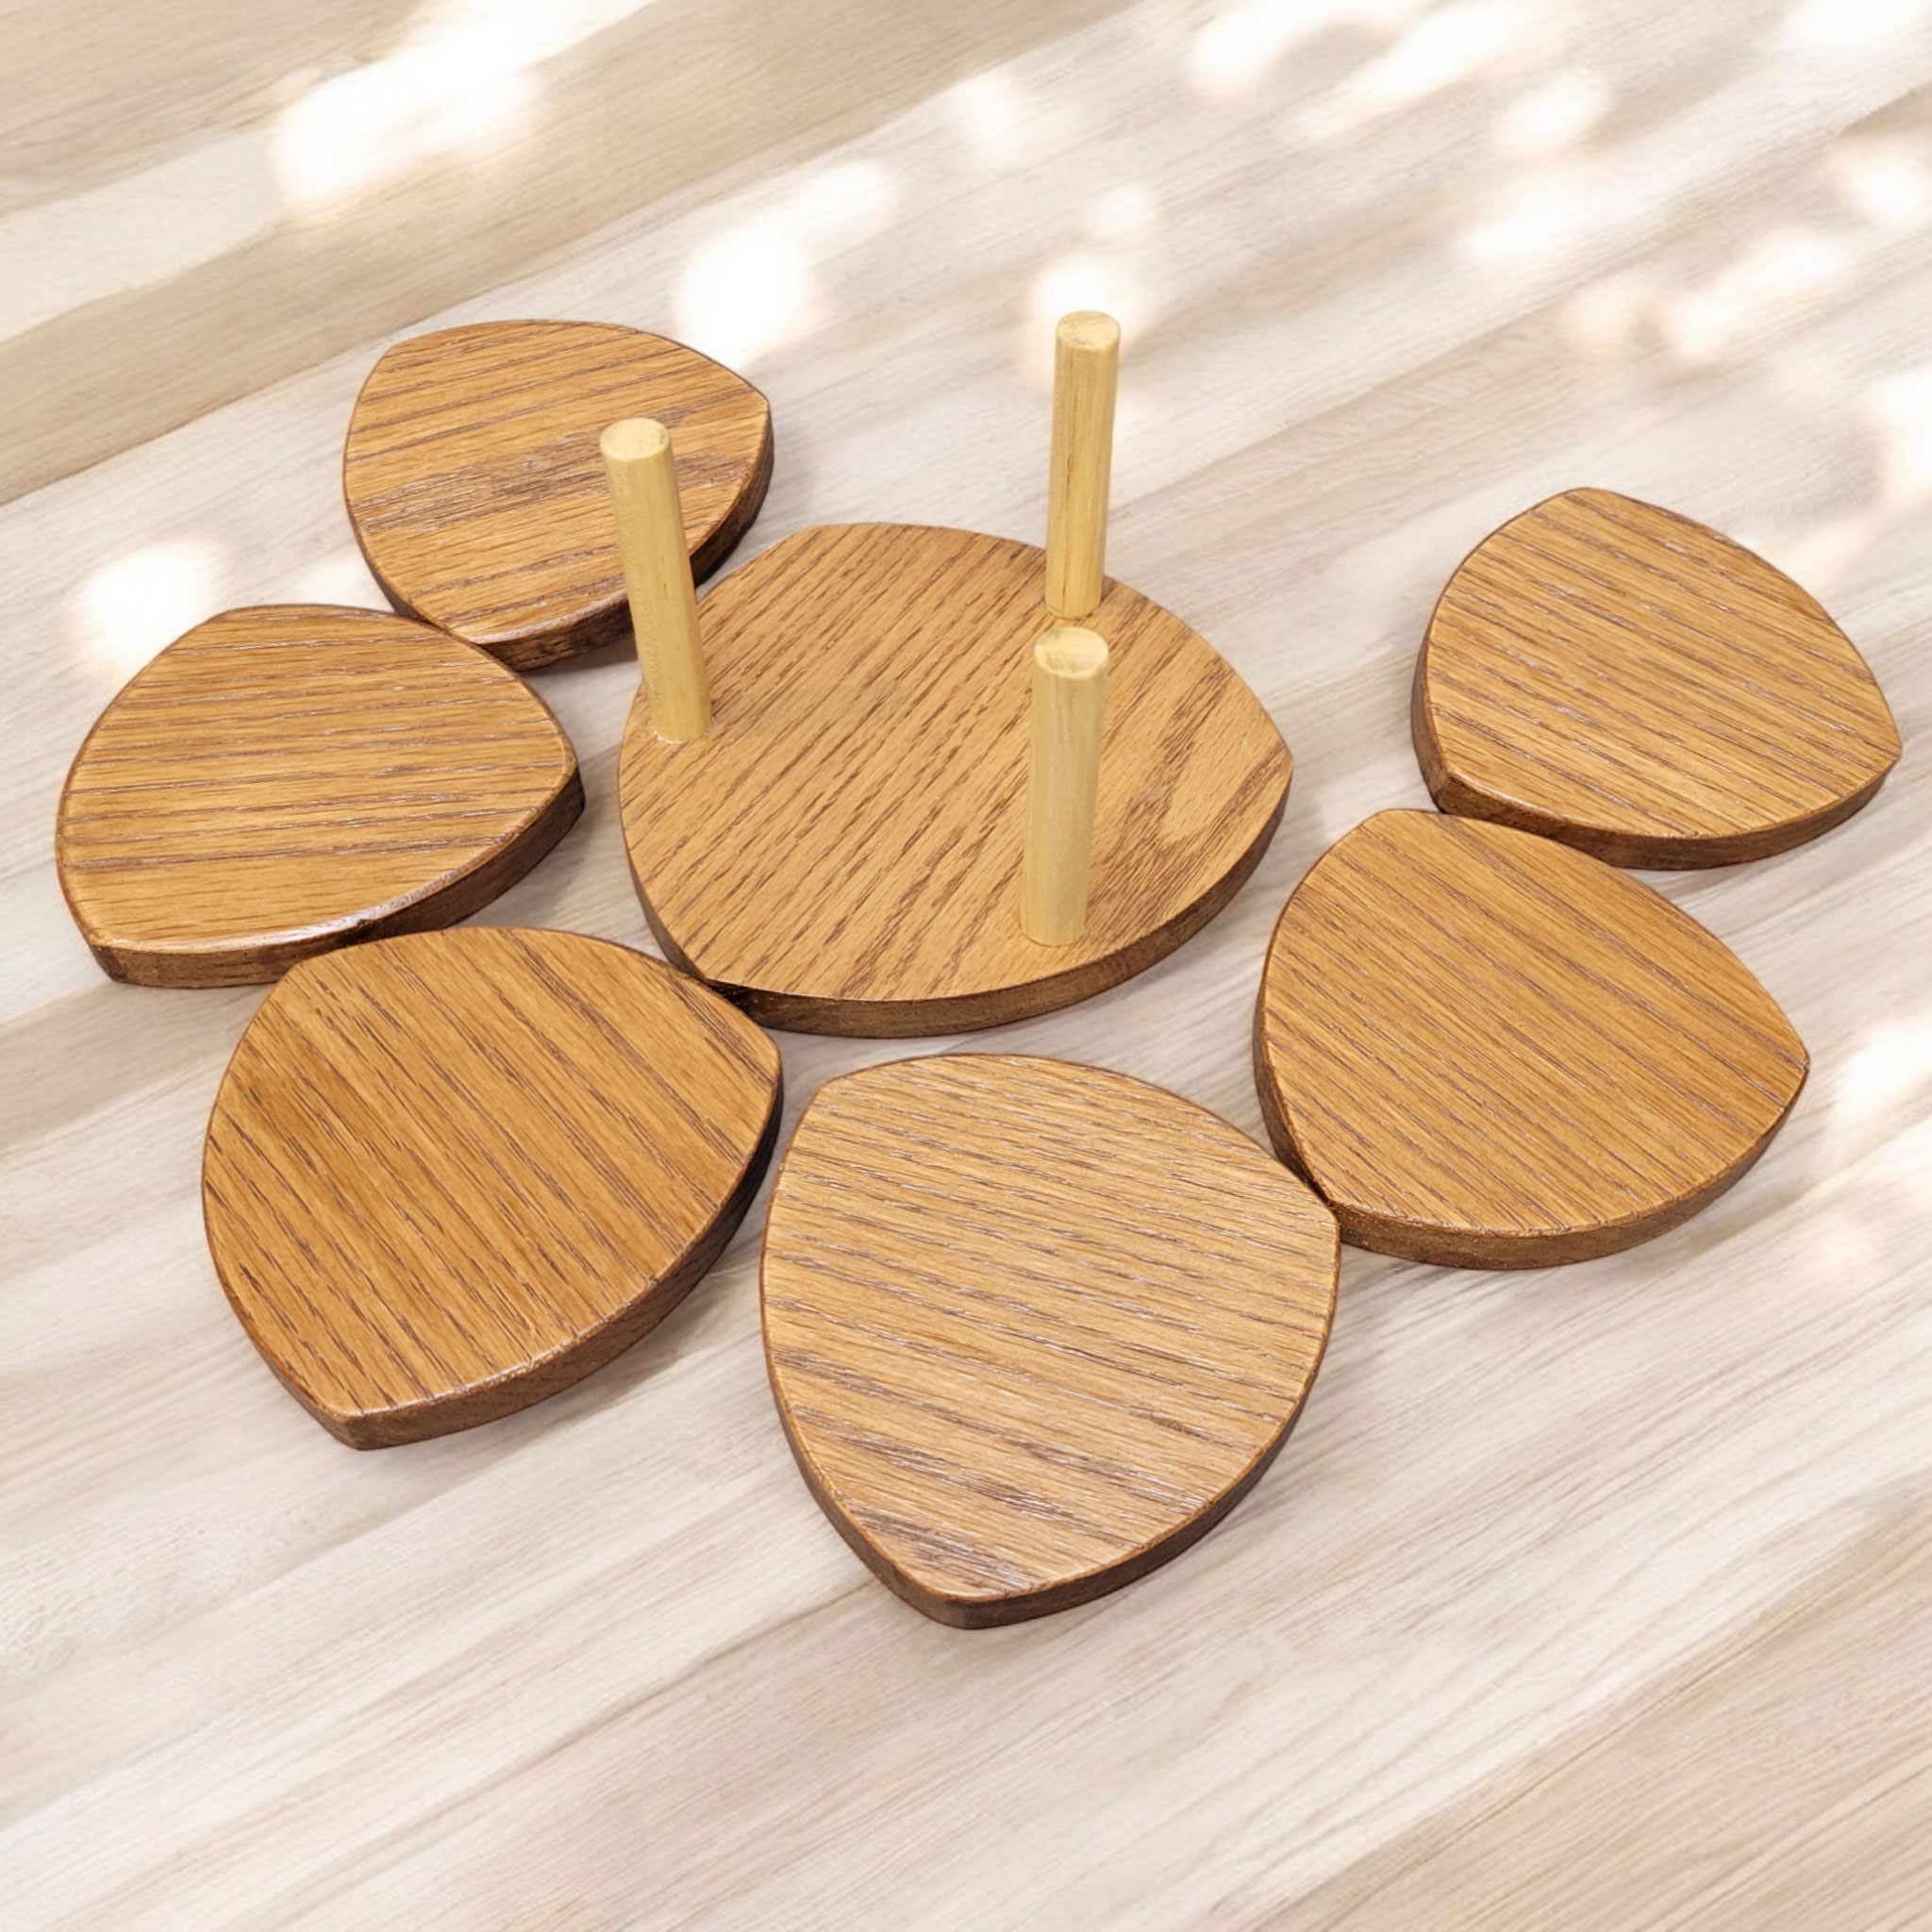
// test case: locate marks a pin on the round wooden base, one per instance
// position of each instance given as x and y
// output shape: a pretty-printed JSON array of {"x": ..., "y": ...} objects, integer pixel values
[
  {"x": 1486, "y": 1050},
  {"x": 1033, "y": 1328},
  {"x": 475, "y": 488},
  {"x": 1632, "y": 684},
  {"x": 842, "y": 852}
]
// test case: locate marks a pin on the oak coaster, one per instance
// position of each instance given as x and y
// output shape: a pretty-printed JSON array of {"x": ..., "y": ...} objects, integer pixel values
[
  {"x": 449, "y": 1174},
  {"x": 477, "y": 492},
  {"x": 1486, "y": 1050},
  {"x": 1033, "y": 1328},
  {"x": 841, "y": 851},
  {"x": 287, "y": 779},
  {"x": 1626, "y": 681}
]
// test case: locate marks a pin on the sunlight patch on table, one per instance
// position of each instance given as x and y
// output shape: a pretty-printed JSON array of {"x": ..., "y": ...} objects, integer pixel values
[
  {"x": 1236, "y": 51},
  {"x": 135, "y": 605},
  {"x": 755, "y": 287},
  {"x": 461, "y": 82}
]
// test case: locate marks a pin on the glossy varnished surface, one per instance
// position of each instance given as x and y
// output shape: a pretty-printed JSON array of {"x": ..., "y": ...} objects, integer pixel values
[
  {"x": 475, "y": 486},
  {"x": 1033, "y": 1328},
  {"x": 287, "y": 779},
  {"x": 1486, "y": 1050},
  {"x": 1611, "y": 675},
  {"x": 449, "y": 1174},
  {"x": 1597, "y": 1598},
  {"x": 842, "y": 850}
]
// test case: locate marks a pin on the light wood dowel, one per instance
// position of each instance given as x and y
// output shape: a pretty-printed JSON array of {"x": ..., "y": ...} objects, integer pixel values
[
  {"x": 1086, "y": 365},
  {"x": 1069, "y": 706},
  {"x": 657, "y": 574}
]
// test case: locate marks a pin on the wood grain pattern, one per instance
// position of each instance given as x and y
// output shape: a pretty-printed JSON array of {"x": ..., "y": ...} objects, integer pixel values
[
  {"x": 449, "y": 1174},
  {"x": 475, "y": 484},
  {"x": 842, "y": 852},
  {"x": 1597, "y": 1600},
  {"x": 1033, "y": 1328},
  {"x": 1616, "y": 677},
  {"x": 1485, "y": 1049},
  {"x": 291, "y": 778}
]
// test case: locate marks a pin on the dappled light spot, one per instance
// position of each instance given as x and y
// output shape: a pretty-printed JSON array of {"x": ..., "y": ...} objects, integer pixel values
[
  {"x": 1851, "y": 27},
  {"x": 1778, "y": 274},
  {"x": 753, "y": 289},
  {"x": 1236, "y": 51},
  {"x": 1552, "y": 117},
  {"x": 1886, "y": 182},
  {"x": 1451, "y": 44},
  {"x": 134, "y": 607},
  {"x": 1546, "y": 215},
  {"x": 341, "y": 577},
  {"x": 1083, "y": 279},
  {"x": 1900, "y": 409},
  {"x": 461, "y": 81},
  {"x": 1122, "y": 214},
  {"x": 1608, "y": 317}
]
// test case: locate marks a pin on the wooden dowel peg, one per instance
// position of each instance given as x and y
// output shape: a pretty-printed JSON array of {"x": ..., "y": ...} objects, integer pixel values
[
  {"x": 1086, "y": 365},
  {"x": 1063, "y": 788},
  {"x": 657, "y": 574}
]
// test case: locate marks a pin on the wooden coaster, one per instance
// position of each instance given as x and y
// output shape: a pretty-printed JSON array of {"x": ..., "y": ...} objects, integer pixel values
[
  {"x": 475, "y": 488},
  {"x": 1486, "y": 1050},
  {"x": 1033, "y": 1328},
  {"x": 1629, "y": 682},
  {"x": 450, "y": 1174},
  {"x": 841, "y": 851},
  {"x": 287, "y": 779}
]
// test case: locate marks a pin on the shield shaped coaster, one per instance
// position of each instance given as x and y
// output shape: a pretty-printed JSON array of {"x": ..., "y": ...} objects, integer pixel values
[
  {"x": 284, "y": 780},
  {"x": 1633, "y": 684},
  {"x": 450, "y": 1174},
  {"x": 1033, "y": 1328},
  {"x": 1486, "y": 1050},
  {"x": 475, "y": 489},
  {"x": 841, "y": 851}
]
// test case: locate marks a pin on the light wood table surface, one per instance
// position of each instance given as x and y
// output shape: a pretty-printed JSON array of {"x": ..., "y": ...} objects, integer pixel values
[{"x": 1595, "y": 1597}]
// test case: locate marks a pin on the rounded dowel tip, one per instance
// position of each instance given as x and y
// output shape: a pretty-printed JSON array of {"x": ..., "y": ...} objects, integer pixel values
[
  {"x": 1068, "y": 651},
  {"x": 1089, "y": 328},
  {"x": 1063, "y": 783},
  {"x": 634, "y": 439}
]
